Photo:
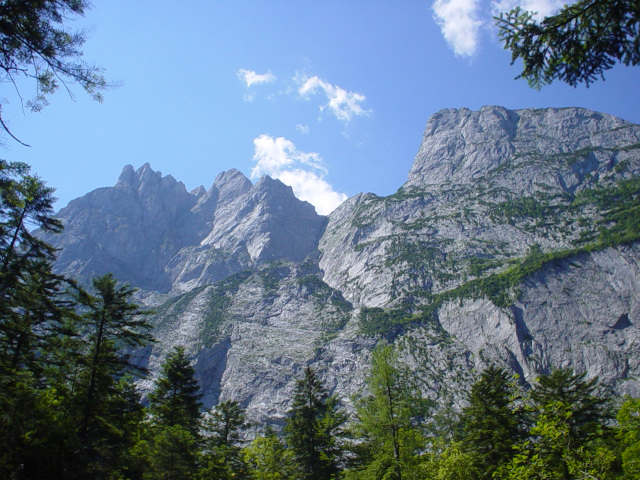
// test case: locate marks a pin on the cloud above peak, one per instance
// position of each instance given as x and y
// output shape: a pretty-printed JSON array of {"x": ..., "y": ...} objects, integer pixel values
[
  {"x": 343, "y": 104},
  {"x": 463, "y": 21},
  {"x": 460, "y": 24},
  {"x": 250, "y": 77},
  {"x": 303, "y": 172}
]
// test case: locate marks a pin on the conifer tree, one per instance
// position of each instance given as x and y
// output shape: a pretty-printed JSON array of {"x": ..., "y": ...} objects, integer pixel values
[
  {"x": 569, "y": 416},
  {"x": 576, "y": 45},
  {"x": 112, "y": 322},
  {"x": 36, "y": 320},
  {"x": 172, "y": 441},
  {"x": 314, "y": 423},
  {"x": 493, "y": 424},
  {"x": 588, "y": 410},
  {"x": 223, "y": 429},
  {"x": 176, "y": 398}
]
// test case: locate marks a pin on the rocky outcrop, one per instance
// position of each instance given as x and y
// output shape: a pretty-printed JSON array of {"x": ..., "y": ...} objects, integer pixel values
[
  {"x": 149, "y": 231},
  {"x": 461, "y": 146},
  {"x": 515, "y": 240}
]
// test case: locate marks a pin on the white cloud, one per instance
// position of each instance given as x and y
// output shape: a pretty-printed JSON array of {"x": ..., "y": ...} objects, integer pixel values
[
  {"x": 460, "y": 24},
  {"x": 344, "y": 105},
  {"x": 303, "y": 172},
  {"x": 543, "y": 7},
  {"x": 252, "y": 78},
  {"x": 310, "y": 187},
  {"x": 303, "y": 129},
  {"x": 463, "y": 21}
]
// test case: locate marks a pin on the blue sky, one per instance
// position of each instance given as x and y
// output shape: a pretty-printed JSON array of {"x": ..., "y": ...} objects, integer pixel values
[{"x": 332, "y": 97}]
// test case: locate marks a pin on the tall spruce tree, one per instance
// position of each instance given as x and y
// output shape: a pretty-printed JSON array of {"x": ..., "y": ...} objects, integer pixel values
[
  {"x": 569, "y": 416},
  {"x": 314, "y": 423},
  {"x": 588, "y": 410},
  {"x": 176, "y": 398},
  {"x": 171, "y": 445},
  {"x": 111, "y": 323},
  {"x": 223, "y": 428},
  {"x": 493, "y": 423},
  {"x": 36, "y": 321}
]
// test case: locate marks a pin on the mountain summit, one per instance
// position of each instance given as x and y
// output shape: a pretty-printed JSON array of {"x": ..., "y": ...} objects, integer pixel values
[{"x": 516, "y": 241}]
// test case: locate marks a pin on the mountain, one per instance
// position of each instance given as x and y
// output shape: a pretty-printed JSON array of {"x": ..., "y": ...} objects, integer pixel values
[{"x": 515, "y": 240}]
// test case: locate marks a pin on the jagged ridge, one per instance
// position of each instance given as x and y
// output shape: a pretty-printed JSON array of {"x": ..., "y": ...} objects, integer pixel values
[{"x": 513, "y": 241}]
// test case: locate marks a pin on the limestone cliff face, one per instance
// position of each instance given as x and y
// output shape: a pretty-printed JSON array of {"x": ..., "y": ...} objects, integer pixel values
[
  {"x": 515, "y": 240},
  {"x": 149, "y": 231},
  {"x": 485, "y": 187}
]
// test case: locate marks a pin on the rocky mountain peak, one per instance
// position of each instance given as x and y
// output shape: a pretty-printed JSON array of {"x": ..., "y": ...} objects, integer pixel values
[
  {"x": 231, "y": 184},
  {"x": 515, "y": 241},
  {"x": 145, "y": 181},
  {"x": 460, "y": 146}
]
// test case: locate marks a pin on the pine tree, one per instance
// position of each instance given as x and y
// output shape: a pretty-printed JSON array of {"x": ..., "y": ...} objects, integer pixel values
[
  {"x": 569, "y": 416},
  {"x": 111, "y": 322},
  {"x": 577, "y": 45},
  {"x": 176, "y": 398},
  {"x": 314, "y": 423},
  {"x": 36, "y": 321},
  {"x": 493, "y": 424},
  {"x": 588, "y": 410},
  {"x": 223, "y": 429},
  {"x": 171, "y": 446}
]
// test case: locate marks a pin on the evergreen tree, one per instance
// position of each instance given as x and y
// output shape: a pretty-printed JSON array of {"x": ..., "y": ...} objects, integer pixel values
[
  {"x": 112, "y": 322},
  {"x": 36, "y": 322},
  {"x": 223, "y": 429},
  {"x": 30, "y": 304},
  {"x": 176, "y": 398},
  {"x": 568, "y": 440},
  {"x": 588, "y": 411},
  {"x": 170, "y": 449},
  {"x": 387, "y": 420},
  {"x": 552, "y": 454},
  {"x": 172, "y": 454},
  {"x": 578, "y": 44},
  {"x": 493, "y": 424},
  {"x": 36, "y": 45},
  {"x": 312, "y": 428}
]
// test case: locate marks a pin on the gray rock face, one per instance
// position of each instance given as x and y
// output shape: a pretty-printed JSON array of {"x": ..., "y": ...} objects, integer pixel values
[
  {"x": 149, "y": 231},
  {"x": 515, "y": 240},
  {"x": 461, "y": 146}
]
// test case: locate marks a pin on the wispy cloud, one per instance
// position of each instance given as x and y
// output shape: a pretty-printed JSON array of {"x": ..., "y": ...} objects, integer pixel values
[
  {"x": 303, "y": 129},
  {"x": 463, "y": 21},
  {"x": 303, "y": 172},
  {"x": 250, "y": 77},
  {"x": 460, "y": 23},
  {"x": 343, "y": 104}
]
